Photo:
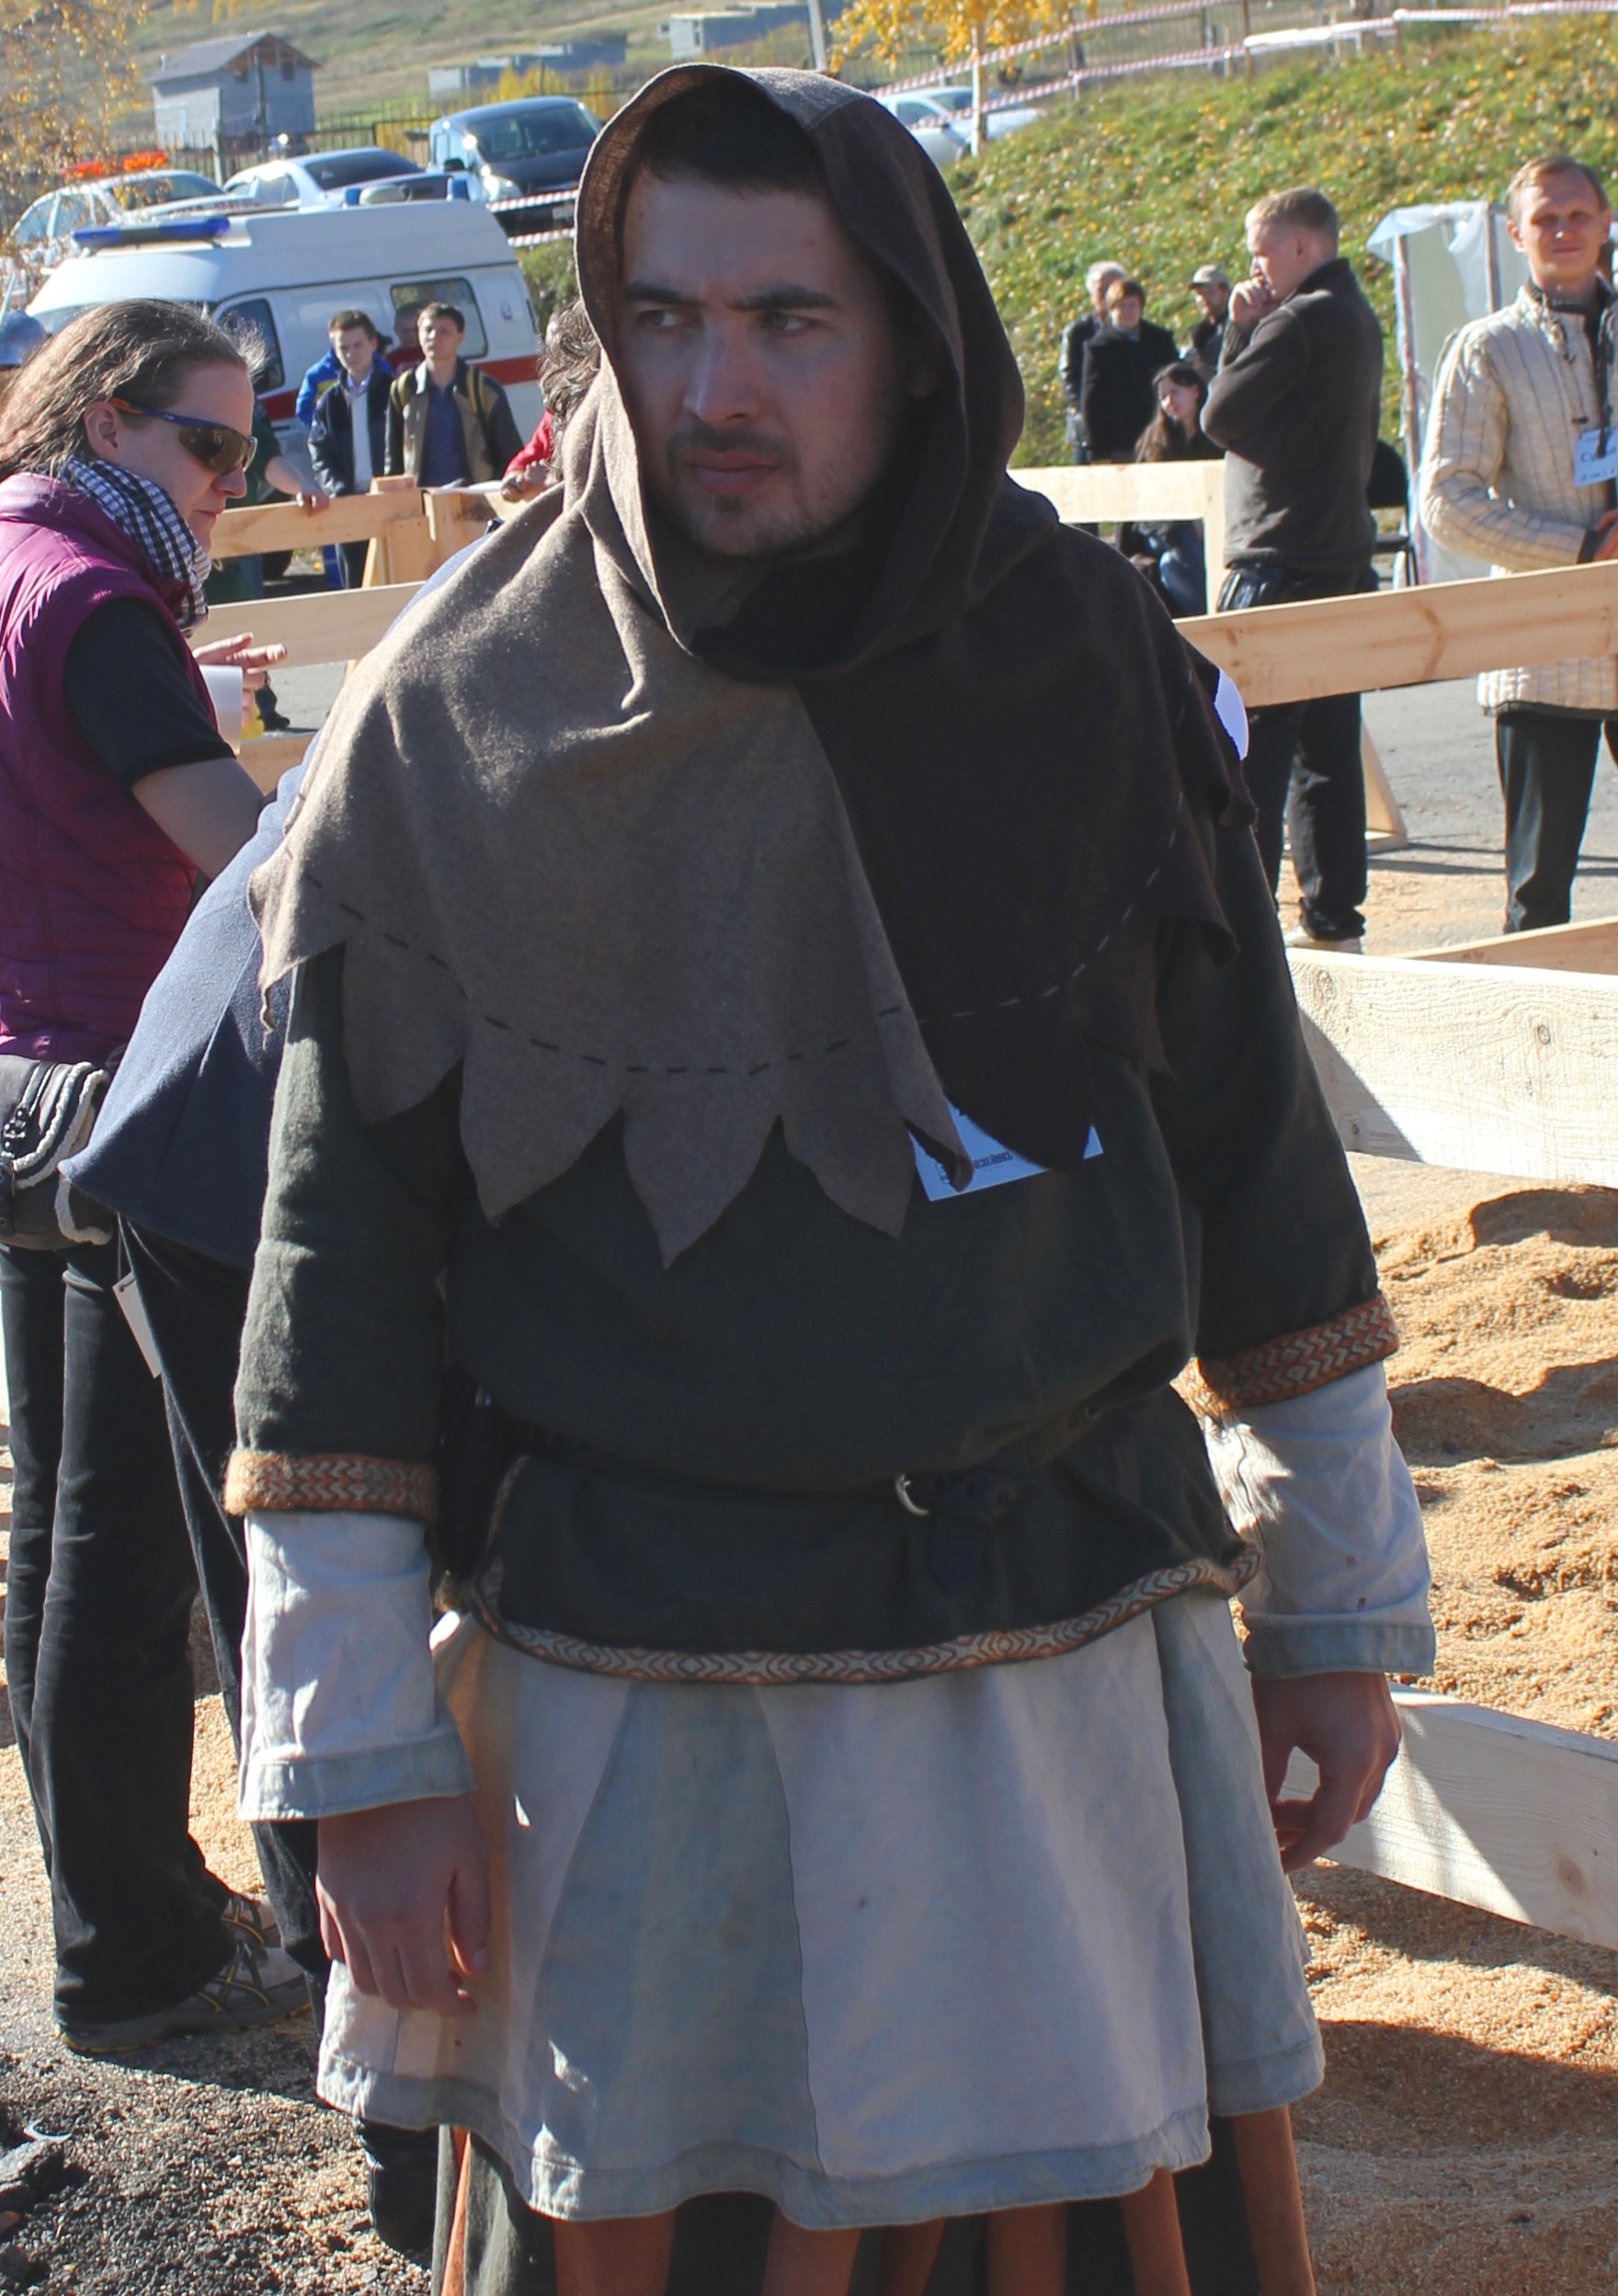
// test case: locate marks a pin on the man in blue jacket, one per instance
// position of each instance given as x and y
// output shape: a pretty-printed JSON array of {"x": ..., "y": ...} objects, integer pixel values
[{"x": 347, "y": 433}]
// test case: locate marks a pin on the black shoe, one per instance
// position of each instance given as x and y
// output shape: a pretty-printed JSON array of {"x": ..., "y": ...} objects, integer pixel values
[{"x": 401, "y": 2184}]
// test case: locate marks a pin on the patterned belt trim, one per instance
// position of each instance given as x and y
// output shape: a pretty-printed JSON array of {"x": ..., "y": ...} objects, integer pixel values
[
  {"x": 998, "y": 1646},
  {"x": 1295, "y": 1363},
  {"x": 328, "y": 1482}
]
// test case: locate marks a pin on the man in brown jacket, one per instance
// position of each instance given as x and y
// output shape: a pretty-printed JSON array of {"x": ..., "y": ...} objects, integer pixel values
[{"x": 448, "y": 423}]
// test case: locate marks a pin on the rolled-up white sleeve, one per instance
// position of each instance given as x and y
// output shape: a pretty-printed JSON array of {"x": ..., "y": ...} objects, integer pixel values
[
  {"x": 341, "y": 1709},
  {"x": 1321, "y": 1487}
]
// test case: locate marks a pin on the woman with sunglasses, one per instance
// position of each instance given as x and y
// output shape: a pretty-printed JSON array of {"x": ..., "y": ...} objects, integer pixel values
[{"x": 120, "y": 443}]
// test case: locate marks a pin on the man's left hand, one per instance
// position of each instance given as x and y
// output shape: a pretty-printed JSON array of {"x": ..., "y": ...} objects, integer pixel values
[{"x": 1347, "y": 1726}]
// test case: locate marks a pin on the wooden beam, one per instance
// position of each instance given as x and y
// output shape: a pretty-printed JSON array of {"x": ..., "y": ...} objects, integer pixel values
[
  {"x": 1105, "y": 494},
  {"x": 1482, "y": 1068},
  {"x": 283, "y": 526},
  {"x": 1102, "y": 494},
  {"x": 1413, "y": 637},
  {"x": 1385, "y": 823},
  {"x": 271, "y": 755},
  {"x": 318, "y": 626},
  {"x": 1591, "y": 948},
  {"x": 1494, "y": 1812}
]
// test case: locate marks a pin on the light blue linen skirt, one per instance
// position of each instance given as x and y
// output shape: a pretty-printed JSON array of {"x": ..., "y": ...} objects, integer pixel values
[{"x": 882, "y": 1953}]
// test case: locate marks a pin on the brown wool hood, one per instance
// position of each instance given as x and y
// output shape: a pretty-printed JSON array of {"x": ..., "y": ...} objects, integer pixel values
[
  {"x": 624, "y": 835},
  {"x": 958, "y": 525}
]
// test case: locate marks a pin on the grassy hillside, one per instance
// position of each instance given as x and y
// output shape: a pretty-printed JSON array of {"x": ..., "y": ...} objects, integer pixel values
[{"x": 1161, "y": 174}]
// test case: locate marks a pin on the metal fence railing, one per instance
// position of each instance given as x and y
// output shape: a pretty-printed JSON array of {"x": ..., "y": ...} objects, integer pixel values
[{"x": 1218, "y": 36}]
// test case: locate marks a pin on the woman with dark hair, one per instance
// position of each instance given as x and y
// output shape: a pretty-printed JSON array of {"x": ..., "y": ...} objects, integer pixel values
[
  {"x": 122, "y": 440},
  {"x": 567, "y": 369},
  {"x": 1170, "y": 553}
]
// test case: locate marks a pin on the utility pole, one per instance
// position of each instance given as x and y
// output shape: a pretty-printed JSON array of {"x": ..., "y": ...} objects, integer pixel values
[
  {"x": 818, "y": 32},
  {"x": 976, "y": 90}
]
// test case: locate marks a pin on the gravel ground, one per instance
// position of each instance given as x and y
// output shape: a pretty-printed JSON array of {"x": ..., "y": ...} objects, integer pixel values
[{"x": 200, "y": 2167}]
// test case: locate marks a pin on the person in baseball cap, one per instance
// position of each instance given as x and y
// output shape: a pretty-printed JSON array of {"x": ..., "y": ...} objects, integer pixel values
[{"x": 1210, "y": 283}]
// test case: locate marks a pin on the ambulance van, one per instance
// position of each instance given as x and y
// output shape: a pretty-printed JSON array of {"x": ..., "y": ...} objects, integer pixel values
[{"x": 284, "y": 273}]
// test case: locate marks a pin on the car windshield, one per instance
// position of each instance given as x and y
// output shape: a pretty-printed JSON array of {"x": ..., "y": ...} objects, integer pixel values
[
  {"x": 953, "y": 99},
  {"x": 535, "y": 134},
  {"x": 162, "y": 185},
  {"x": 333, "y": 171}
]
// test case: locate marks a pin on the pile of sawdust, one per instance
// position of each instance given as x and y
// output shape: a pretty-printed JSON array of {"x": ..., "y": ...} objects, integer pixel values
[{"x": 1506, "y": 1402}]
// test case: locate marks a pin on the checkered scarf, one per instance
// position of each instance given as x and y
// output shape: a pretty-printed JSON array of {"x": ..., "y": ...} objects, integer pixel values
[{"x": 144, "y": 511}]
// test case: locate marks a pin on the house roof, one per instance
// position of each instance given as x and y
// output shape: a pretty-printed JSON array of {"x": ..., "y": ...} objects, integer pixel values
[{"x": 204, "y": 57}]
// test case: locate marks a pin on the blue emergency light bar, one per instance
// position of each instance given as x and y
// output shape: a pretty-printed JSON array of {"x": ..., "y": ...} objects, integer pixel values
[{"x": 135, "y": 233}]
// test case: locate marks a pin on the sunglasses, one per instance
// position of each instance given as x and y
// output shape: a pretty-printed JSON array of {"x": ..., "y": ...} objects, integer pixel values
[{"x": 216, "y": 446}]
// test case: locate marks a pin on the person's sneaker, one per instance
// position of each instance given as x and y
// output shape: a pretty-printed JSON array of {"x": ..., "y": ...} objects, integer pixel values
[
  {"x": 1300, "y": 937},
  {"x": 401, "y": 2184},
  {"x": 251, "y": 1918},
  {"x": 257, "y": 1985}
]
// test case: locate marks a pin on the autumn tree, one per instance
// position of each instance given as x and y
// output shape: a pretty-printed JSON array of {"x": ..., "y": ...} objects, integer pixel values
[
  {"x": 66, "y": 69},
  {"x": 949, "y": 29}
]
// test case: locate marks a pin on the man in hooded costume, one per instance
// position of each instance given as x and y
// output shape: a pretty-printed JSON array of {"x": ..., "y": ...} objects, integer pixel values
[{"x": 787, "y": 1012}]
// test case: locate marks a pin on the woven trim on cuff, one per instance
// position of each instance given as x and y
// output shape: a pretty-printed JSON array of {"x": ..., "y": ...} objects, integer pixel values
[
  {"x": 1296, "y": 1363},
  {"x": 328, "y": 1482}
]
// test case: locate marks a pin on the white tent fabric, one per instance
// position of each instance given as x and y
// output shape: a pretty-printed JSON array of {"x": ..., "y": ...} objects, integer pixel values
[{"x": 1452, "y": 262}]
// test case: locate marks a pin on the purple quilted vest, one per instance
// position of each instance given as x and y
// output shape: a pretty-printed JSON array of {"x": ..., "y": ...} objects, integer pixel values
[{"x": 93, "y": 895}]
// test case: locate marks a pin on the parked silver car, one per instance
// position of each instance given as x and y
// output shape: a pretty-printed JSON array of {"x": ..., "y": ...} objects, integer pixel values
[{"x": 940, "y": 120}]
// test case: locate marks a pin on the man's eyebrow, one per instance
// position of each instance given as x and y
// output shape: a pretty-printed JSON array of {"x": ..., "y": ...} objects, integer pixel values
[{"x": 785, "y": 295}]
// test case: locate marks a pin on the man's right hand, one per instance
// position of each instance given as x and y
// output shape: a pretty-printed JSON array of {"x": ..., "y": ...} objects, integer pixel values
[
  {"x": 403, "y": 1896},
  {"x": 1248, "y": 303},
  {"x": 1606, "y": 526}
]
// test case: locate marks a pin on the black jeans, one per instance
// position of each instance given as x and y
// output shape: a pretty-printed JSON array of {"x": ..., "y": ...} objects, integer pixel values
[
  {"x": 97, "y": 1628},
  {"x": 196, "y": 1308},
  {"x": 1304, "y": 767},
  {"x": 1547, "y": 763}
]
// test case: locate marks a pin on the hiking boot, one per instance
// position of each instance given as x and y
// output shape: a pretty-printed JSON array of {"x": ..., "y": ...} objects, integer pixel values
[
  {"x": 257, "y": 1985},
  {"x": 251, "y": 1918}
]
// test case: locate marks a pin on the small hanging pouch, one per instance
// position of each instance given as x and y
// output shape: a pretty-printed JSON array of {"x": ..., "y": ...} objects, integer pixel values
[{"x": 48, "y": 1109}]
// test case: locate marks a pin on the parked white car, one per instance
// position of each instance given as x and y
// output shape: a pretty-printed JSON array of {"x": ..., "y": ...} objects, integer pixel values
[
  {"x": 41, "y": 235},
  {"x": 940, "y": 120},
  {"x": 317, "y": 179}
]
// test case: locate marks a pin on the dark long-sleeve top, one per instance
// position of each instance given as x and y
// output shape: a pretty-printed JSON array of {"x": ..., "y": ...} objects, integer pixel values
[
  {"x": 1295, "y": 404},
  {"x": 1116, "y": 397},
  {"x": 722, "y": 1434},
  {"x": 131, "y": 698}
]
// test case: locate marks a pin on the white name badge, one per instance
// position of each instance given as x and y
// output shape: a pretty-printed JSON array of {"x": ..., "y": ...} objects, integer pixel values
[
  {"x": 993, "y": 1164},
  {"x": 1591, "y": 466}
]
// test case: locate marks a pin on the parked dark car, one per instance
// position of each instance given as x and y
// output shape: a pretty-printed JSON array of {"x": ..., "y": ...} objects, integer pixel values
[{"x": 520, "y": 150}]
